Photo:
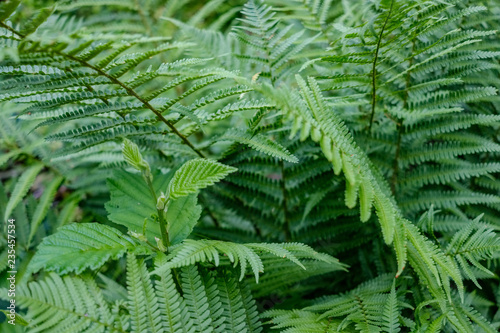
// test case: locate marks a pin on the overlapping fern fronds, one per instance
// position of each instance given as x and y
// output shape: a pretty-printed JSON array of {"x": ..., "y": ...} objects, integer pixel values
[{"x": 263, "y": 137}]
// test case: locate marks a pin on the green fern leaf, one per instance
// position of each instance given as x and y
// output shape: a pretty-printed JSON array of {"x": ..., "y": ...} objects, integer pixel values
[
  {"x": 22, "y": 186},
  {"x": 172, "y": 306},
  {"x": 78, "y": 246},
  {"x": 232, "y": 303},
  {"x": 391, "y": 313},
  {"x": 191, "y": 252},
  {"x": 210, "y": 279},
  {"x": 7, "y": 8},
  {"x": 142, "y": 300},
  {"x": 182, "y": 215},
  {"x": 195, "y": 175},
  {"x": 34, "y": 22},
  {"x": 72, "y": 304},
  {"x": 195, "y": 295},
  {"x": 260, "y": 143},
  {"x": 43, "y": 207}
]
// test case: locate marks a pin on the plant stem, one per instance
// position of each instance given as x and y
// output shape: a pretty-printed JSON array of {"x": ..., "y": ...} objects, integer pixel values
[
  {"x": 129, "y": 90},
  {"x": 132, "y": 92},
  {"x": 374, "y": 68},
  {"x": 163, "y": 223},
  {"x": 288, "y": 235}
]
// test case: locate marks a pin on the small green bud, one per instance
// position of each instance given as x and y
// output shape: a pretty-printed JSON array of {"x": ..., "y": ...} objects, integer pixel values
[
  {"x": 140, "y": 237},
  {"x": 160, "y": 245},
  {"x": 161, "y": 202},
  {"x": 133, "y": 156}
]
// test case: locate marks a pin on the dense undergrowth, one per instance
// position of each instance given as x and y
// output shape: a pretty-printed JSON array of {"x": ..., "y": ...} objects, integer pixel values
[{"x": 261, "y": 166}]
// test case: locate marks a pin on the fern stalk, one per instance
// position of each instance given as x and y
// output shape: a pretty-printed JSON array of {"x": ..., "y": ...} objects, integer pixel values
[
  {"x": 132, "y": 92},
  {"x": 374, "y": 68},
  {"x": 161, "y": 217},
  {"x": 129, "y": 90}
]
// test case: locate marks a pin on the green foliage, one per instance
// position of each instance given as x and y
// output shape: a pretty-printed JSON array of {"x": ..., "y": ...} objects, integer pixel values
[
  {"x": 131, "y": 202},
  {"x": 184, "y": 214},
  {"x": 21, "y": 188},
  {"x": 199, "y": 166},
  {"x": 195, "y": 175},
  {"x": 75, "y": 247},
  {"x": 133, "y": 157}
]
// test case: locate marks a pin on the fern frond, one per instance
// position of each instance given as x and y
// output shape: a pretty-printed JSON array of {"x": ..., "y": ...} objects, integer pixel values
[
  {"x": 240, "y": 317},
  {"x": 175, "y": 315},
  {"x": 69, "y": 303},
  {"x": 143, "y": 303},
  {"x": 298, "y": 321},
  {"x": 390, "y": 316},
  {"x": 447, "y": 173},
  {"x": 22, "y": 186},
  {"x": 86, "y": 245},
  {"x": 195, "y": 175},
  {"x": 473, "y": 244},
  {"x": 191, "y": 252},
  {"x": 447, "y": 200},
  {"x": 196, "y": 298},
  {"x": 260, "y": 143}
]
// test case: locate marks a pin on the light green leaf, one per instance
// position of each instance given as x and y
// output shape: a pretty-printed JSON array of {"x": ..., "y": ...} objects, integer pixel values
[
  {"x": 19, "y": 320},
  {"x": 131, "y": 202},
  {"x": 182, "y": 215},
  {"x": 43, "y": 206},
  {"x": 75, "y": 247},
  {"x": 22, "y": 186},
  {"x": 195, "y": 175},
  {"x": 133, "y": 156},
  {"x": 400, "y": 245}
]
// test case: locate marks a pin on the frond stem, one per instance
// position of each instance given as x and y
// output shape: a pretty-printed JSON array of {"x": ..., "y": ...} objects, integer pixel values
[
  {"x": 5, "y": 26},
  {"x": 132, "y": 92},
  {"x": 374, "y": 68},
  {"x": 129, "y": 90},
  {"x": 288, "y": 236},
  {"x": 163, "y": 223}
]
